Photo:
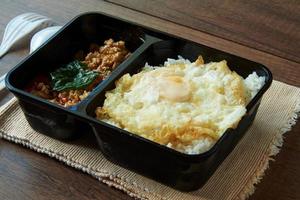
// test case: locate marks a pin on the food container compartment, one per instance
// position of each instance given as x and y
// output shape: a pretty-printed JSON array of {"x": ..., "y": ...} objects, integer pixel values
[
  {"x": 49, "y": 118},
  {"x": 178, "y": 170}
]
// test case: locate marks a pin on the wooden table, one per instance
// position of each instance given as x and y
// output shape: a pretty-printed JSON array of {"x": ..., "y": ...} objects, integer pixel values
[{"x": 267, "y": 32}]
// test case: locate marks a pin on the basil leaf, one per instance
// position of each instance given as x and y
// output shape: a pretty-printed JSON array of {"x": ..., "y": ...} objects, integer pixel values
[{"x": 73, "y": 76}]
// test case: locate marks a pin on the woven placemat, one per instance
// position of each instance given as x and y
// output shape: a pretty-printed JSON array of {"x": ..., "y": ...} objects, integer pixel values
[{"x": 234, "y": 179}]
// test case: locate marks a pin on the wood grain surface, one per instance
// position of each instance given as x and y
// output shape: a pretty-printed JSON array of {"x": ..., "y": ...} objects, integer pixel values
[
  {"x": 25, "y": 174},
  {"x": 270, "y": 26}
]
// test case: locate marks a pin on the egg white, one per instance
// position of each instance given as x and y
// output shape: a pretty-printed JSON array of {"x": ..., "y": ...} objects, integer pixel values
[{"x": 177, "y": 104}]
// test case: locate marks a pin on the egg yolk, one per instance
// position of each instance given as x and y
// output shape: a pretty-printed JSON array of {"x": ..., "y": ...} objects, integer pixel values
[{"x": 173, "y": 88}]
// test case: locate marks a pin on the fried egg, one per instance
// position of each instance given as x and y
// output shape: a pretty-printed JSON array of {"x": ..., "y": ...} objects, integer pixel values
[{"x": 182, "y": 105}]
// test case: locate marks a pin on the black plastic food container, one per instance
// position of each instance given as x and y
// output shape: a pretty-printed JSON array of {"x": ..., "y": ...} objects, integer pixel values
[{"x": 178, "y": 170}]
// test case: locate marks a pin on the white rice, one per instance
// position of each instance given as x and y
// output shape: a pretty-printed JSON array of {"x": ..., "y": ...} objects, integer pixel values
[
  {"x": 199, "y": 146},
  {"x": 253, "y": 83}
]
